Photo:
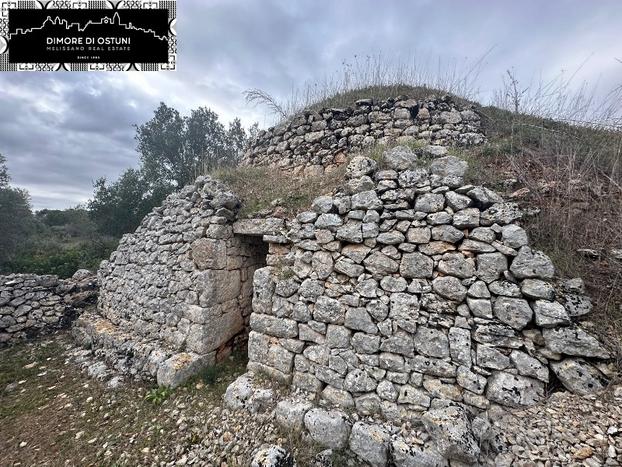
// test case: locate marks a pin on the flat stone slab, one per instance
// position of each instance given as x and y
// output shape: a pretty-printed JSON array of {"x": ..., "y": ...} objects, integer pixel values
[
  {"x": 180, "y": 367},
  {"x": 259, "y": 227},
  {"x": 149, "y": 358}
]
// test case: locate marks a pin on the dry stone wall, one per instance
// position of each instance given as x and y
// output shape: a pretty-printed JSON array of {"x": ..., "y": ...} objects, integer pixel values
[
  {"x": 176, "y": 292},
  {"x": 407, "y": 289},
  {"x": 402, "y": 290},
  {"x": 314, "y": 141},
  {"x": 31, "y": 305}
]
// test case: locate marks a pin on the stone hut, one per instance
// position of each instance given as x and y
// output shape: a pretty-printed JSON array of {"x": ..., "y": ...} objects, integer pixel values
[
  {"x": 408, "y": 288},
  {"x": 177, "y": 292},
  {"x": 403, "y": 289}
]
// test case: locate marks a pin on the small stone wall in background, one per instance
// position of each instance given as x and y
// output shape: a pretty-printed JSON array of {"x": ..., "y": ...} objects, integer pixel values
[{"x": 31, "y": 304}]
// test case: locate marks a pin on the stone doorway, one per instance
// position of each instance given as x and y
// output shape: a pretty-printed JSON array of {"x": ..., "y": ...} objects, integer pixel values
[
  {"x": 249, "y": 253},
  {"x": 253, "y": 253}
]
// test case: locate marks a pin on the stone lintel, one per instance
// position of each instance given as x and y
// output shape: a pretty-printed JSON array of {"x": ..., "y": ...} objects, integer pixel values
[{"x": 258, "y": 227}]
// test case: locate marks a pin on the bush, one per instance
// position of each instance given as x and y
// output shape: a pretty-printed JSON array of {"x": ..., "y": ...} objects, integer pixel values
[{"x": 52, "y": 257}]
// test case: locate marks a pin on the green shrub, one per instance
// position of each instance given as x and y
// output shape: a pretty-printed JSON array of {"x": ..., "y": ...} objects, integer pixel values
[
  {"x": 158, "y": 395},
  {"x": 54, "y": 257}
]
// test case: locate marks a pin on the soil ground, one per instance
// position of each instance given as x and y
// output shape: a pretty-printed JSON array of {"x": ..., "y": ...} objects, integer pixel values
[{"x": 51, "y": 413}]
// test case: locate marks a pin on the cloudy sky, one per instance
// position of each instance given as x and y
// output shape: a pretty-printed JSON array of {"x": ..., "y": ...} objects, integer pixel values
[{"x": 61, "y": 131}]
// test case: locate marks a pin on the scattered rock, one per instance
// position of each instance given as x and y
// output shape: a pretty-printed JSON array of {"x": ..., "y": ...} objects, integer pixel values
[{"x": 273, "y": 456}]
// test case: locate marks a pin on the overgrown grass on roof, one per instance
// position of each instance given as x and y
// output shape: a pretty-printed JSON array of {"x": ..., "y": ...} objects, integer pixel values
[
  {"x": 260, "y": 188},
  {"x": 378, "y": 93},
  {"x": 379, "y": 77}
]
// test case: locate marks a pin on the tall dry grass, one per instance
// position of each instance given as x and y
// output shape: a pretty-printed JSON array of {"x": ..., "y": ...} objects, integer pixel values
[{"x": 376, "y": 76}]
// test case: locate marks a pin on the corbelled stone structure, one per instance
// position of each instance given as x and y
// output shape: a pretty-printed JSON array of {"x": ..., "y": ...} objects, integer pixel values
[
  {"x": 402, "y": 289},
  {"x": 177, "y": 292},
  {"x": 407, "y": 289},
  {"x": 404, "y": 294},
  {"x": 410, "y": 297},
  {"x": 314, "y": 141},
  {"x": 31, "y": 305}
]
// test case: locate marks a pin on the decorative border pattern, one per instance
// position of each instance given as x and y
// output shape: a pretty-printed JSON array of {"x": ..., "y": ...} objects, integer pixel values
[{"x": 6, "y": 5}]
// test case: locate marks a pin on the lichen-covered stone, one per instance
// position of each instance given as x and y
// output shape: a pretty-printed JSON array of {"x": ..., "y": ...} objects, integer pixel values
[
  {"x": 579, "y": 376},
  {"x": 328, "y": 428},
  {"x": 514, "y": 390},
  {"x": 573, "y": 341},
  {"x": 370, "y": 443},
  {"x": 451, "y": 429}
]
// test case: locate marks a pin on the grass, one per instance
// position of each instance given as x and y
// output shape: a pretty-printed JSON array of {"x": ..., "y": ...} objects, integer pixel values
[
  {"x": 16, "y": 371},
  {"x": 596, "y": 147},
  {"x": 376, "y": 152},
  {"x": 349, "y": 98},
  {"x": 292, "y": 194},
  {"x": 217, "y": 377},
  {"x": 379, "y": 77},
  {"x": 571, "y": 176}
]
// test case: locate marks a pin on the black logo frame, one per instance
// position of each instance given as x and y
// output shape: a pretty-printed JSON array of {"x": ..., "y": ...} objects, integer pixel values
[{"x": 88, "y": 35}]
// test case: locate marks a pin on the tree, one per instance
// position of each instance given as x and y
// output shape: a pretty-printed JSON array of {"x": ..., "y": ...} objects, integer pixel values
[
  {"x": 4, "y": 173},
  {"x": 118, "y": 208},
  {"x": 161, "y": 143},
  {"x": 236, "y": 138},
  {"x": 174, "y": 150},
  {"x": 206, "y": 143},
  {"x": 16, "y": 219}
]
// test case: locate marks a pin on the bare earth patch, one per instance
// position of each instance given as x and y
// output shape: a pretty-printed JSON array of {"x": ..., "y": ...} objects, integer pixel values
[{"x": 52, "y": 413}]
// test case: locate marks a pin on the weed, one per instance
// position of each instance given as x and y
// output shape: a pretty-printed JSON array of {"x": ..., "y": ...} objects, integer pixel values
[
  {"x": 284, "y": 273},
  {"x": 378, "y": 77},
  {"x": 193, "y": 439},
  {"x": 214, "y": 379},
  {"x": 293, "y": 193},
  {"x": 158, "y": 395}
]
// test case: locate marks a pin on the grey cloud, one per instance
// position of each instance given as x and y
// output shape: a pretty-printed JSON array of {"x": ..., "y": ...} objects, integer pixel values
[{"x": 61, "y": 131}]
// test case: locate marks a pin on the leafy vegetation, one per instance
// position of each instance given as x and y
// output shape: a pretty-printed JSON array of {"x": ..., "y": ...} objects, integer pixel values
[
  {"x": 16, "y": 220},
  {"x": 119, "y": 207},
  {"x": 158, "y": 395},
  {"x": 48, "y": 241},
  {"x": 174, "y": 150}
]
